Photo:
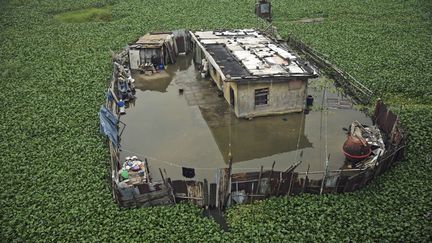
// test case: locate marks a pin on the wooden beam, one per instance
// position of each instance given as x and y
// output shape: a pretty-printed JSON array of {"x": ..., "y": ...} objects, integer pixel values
[
  {"x": 271, "y": 177},
  {"x": 259, "y": 180},
  {"x": 163, "y": 178},
  {"x": 206, "y": 193}
]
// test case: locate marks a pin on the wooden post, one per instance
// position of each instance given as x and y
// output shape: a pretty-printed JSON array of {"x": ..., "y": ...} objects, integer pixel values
[
  {"x": 291, "y": 170},
  {"x": 325, "y": 175},
  {"x": 280, "y": 182},
  {"x": 338, "y": 181},
  {"x": 206, "y": 194},
  {"x": 292, "y": 167},
  {"x": 291, "y": 181},
  {"x": 166, "y": 175},
  {"x": 222, "y": 187},
  {"x": 237, "y": 188},
  {"x": 271, "y": 178},
  {"x": 259, "y": 181},
  {"x": 228, "y": 183},
  {"x": 148, "y": 171},
  {"x": 217, "y": 188},
  {"x": 272, "y": 168},
  {"x": 170, "y": 185},
  {"x": 306, "y": 177},
  {"x": 163, "y": 178}
]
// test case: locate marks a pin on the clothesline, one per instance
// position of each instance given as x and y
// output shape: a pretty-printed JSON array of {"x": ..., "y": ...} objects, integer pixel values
[{"x": 181, "y": 166}]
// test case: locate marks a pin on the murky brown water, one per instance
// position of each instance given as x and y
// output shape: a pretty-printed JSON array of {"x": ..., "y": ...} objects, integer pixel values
[{"x": 194, "y": 129}]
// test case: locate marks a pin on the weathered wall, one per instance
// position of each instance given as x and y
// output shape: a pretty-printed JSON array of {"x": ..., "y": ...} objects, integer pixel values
[
  {"x": 283, "y": 97},
  {"x": 181, "y": 35},
  {"x": 134, "y": 58},
  {"x": 226, "y": 91},
  {"x": 216, "y": 77}
]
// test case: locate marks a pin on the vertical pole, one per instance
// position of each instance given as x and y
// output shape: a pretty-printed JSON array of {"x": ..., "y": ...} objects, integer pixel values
[
  {"x": 291, "y": 170},
  {"x": 279, "y": 183},
  {"x": 306, "y": 178},
  {"x": 228, "y": 185},
  {"x": 148, "y": 171},
  {"x": 338, "y": 180},
  {"x": 217, "y": 187},
  {"x": 237, "y": 188},
  {"x": 205, "y": 194},
  {"x": 291, "y": 181},
  {"x": 163, "y": 178},
  {"x": 325, "y": 174},
  {"x": 171, "y": 189},
  {"x": 259, "y": 181},
  {"x": 271, "y": 177},
  {"x": 164, "y": 170}
]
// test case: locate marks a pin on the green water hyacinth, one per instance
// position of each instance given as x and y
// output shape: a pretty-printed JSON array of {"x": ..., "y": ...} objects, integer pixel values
[{"x": 54, "y": 162}]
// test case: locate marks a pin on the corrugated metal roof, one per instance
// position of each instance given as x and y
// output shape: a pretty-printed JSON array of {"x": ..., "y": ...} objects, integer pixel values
[
  {"x": 153, "y": 39},
  {"x": 255, "y": 53}
]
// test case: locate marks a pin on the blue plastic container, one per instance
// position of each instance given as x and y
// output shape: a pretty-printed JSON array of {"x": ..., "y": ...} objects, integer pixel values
[{"x": 309, "y": 100}]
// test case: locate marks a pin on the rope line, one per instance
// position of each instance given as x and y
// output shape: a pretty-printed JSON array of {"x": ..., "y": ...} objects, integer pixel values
[{"x": 181, "y": 166}]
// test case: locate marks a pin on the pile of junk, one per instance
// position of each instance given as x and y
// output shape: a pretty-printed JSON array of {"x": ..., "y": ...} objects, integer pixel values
[
  {"x": 363, "y": 146},
  {"x": 125, "y": 87},
  {"x": 134, "y": 171}
]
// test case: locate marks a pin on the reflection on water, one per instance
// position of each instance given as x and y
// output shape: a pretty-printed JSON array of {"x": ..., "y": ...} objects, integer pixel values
[
  {"x": 254, "y": 139},
  {"x": 161, "y": 80},
  {"x": 195, "y": 128}
]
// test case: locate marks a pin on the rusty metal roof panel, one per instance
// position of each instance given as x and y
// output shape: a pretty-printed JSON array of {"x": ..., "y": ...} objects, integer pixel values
[{"x": 153, "y": 40}]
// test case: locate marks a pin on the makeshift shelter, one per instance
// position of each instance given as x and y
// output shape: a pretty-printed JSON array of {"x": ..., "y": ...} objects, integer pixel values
[{"x": 153, "y": 49}]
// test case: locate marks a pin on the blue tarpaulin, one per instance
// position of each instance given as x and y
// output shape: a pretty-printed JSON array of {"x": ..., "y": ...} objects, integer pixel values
[
  {"x": 108, "y": 124},
  {"x": 109, "y": 95}
]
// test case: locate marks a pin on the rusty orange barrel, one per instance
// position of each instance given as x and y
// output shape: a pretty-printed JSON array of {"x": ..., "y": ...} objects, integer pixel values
[{"x": 355, "y": 149}]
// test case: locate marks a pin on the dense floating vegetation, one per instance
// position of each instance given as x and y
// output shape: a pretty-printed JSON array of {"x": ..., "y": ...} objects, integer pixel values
[
  {"x": 54, "y": 162},
  {"x": 85, "y": 15}
]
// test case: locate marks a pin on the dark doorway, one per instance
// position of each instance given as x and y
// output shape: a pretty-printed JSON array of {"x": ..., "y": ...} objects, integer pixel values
[
  {"x": 232, "y": 100},
  {"x": 180, "y": 41}
]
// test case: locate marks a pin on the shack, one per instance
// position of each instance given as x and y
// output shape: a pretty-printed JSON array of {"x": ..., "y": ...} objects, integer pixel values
[
  {"x": 257, "y": 75},
  {"x": 153, "y": 50},
  {"x": 263, "y": 9}
]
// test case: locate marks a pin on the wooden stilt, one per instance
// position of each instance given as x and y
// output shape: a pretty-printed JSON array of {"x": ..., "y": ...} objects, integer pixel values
[
  {"x": 205, "y": 194},
  {"x": 163, "y": 178},
  {"x": 148, "y": 171},
  {"x": 259, "y": 181},
  {"x": 228, "y": 182},
  {"x": 306, "y": 178},
  {"x": 271, "y": 179}
]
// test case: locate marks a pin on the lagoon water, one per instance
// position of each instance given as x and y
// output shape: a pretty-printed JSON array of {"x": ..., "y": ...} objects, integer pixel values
[{"x": 197, "y": 129}]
